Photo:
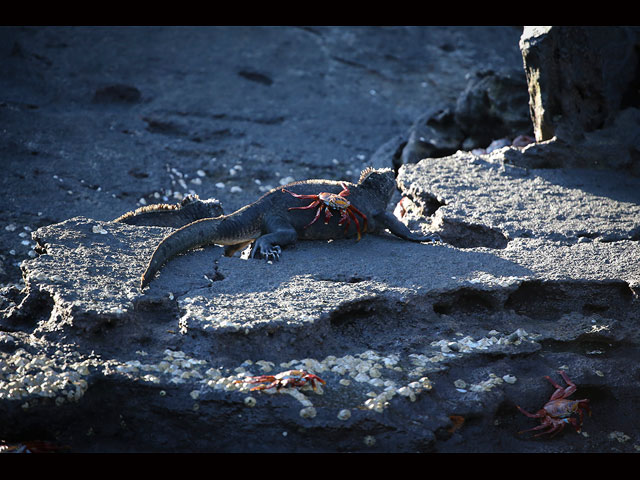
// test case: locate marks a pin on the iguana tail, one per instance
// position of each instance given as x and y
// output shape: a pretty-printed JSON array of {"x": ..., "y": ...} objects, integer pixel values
[{"x": 223, "y": 230}]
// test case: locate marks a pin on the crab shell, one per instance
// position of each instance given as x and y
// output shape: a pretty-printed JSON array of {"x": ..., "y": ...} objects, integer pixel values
[{"x": 333, "y": 200}]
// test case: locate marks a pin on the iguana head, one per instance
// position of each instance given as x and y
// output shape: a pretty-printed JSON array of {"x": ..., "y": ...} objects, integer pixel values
[{"x": 381, "y": 181}]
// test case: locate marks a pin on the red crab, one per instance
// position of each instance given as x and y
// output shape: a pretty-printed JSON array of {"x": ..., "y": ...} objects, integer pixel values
[
  {"x": 557, "y": 412},
  {"x": 336, "y": 202},
  {"x": 288, "y": 379},
  {"x": 36, "y": 446}
]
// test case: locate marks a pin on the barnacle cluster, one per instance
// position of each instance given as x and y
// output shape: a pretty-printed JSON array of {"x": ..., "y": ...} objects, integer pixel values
[
  {"x": 485, "y": 385},
  {"x": 468, "y": 344},
  {"x": 176, "y": 365},
  {"x": 26, "y": 376},
  {"x": 368, "y": 380}
]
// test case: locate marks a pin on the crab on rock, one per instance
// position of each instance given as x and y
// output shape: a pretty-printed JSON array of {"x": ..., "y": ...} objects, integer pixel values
[
  {"x": 287, "y": 379},
  {"x": 336, "y": 202},
  {"x": 558, "y": 411}
]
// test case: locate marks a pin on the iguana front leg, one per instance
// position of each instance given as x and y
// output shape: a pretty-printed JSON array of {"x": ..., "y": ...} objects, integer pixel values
[
  {"x": 280, "y": 233},
  {"x": 389, "y": 221}
]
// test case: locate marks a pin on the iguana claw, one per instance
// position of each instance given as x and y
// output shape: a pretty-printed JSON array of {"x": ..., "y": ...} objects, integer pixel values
[
  {"x": 273, "y": 254},
  {"x": 270, "y": 253}
]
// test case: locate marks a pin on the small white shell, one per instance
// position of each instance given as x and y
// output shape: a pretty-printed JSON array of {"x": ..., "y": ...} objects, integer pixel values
[
  {"x": 369, "y": 440},
  {"x": 460, "y": 383},
  {"x": 344, "y": 414},
  {"x": 308, "y": 412}
]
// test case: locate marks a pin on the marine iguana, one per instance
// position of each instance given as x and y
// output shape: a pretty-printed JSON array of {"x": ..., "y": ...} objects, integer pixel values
[
  {"x": 276, "y": 219},
  {"x": 190, "y": 209}
]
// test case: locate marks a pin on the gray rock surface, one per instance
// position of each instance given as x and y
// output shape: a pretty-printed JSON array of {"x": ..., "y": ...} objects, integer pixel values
[
  {"x": 423, "y": 347},
  {"x": 584, "y": 97}
]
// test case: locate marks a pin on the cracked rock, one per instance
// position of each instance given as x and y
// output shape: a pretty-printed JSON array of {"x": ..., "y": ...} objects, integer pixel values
[{"x": 423, "y": 347}]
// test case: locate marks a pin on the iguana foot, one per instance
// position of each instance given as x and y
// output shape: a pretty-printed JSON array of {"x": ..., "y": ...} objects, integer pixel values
[
  {"x": 271, "y": 252},
  {"x": 432, "y": 237}
]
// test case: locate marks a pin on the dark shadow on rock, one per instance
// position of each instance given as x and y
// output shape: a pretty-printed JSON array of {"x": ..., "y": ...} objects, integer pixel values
[
  {"x": 117, "y": 94},
  {"x": 616, "y": 185}
]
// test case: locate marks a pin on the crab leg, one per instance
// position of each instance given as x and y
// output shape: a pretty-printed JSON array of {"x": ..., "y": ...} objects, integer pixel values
[
  {"x": 538, "y": 427},
  {"x": 560, "y": 391},
  {"x": 311, "y": 205},
  {"x": 364, "y": 217},
  {"x": 344, "y": 220},
  {"x": 260, "y": 379},
  {"x": 353, "y": 217},
  {"x": 300, "y": 196},
  {"x": 327, "y": 215},
  {"x": 265, "y": 386},
  {"x": 532, "y": 415},
  {"x": 554, "y": 431},
  {"x": 316, "y": 217}
]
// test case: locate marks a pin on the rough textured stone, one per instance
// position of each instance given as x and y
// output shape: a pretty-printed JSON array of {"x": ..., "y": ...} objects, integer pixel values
[
  {"x": 434, "y": 134},
  {"x": 579, "y": 77},
  {"x": 423, "y": 347},
  {"x": 493, "y": 105},
  {"x": 560, "y": 205},
  {"x": 478, "y": 314},
  {"x": 584, "y": 100}
]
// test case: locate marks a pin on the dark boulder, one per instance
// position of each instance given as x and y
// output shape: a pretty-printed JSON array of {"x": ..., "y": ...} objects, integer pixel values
[
  {"x": 579, "y": 77},
  {"x": 493, "y": 105}
]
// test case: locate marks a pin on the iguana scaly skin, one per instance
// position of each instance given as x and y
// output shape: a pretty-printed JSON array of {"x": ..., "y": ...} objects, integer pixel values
[
  {"x": 269, "y": 224},
  {"x": 190, "y": 209}
]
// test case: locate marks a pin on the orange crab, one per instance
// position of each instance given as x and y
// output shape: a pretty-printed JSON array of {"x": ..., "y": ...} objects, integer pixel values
[
  {"x": 558, "y": 411},
  {"x": 288, "y": 379},
  {"x": 335, "y": 202}
]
